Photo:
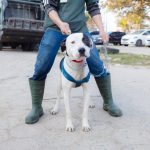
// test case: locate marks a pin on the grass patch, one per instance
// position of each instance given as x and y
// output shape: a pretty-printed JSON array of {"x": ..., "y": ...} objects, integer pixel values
[{"x": 129, "y": 59}]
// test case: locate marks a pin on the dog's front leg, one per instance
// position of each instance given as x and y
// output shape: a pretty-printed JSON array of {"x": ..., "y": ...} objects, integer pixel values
[
  {"x": 69, "y": 125},
  {"x": 85, "y": 125},
  {"x": 54, "y": 111}
]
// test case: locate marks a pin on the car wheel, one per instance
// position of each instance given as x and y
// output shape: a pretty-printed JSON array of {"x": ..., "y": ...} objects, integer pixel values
[
  {"x": 126, "y": 45},
  {"x": 138, "y": 43},
  {"x": 1, "y": 46},
  {"x": 26, "y": 47},
  {"x": 30, "y": 46},
  {"x": 115, "y": 43},
  {"x": 14, "y": 46},
  {"x": 34, "y": 46}
]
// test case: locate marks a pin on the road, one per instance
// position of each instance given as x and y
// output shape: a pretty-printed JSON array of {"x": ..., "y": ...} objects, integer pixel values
[{"x": 131, "y": 86}]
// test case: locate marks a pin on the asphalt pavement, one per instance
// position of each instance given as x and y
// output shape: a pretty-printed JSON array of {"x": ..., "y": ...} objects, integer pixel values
[{"x": 131, "y": 91}]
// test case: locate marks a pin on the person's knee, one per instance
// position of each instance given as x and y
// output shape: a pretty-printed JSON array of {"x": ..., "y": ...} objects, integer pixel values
[
  {"x": 42, "y": 67},
  {"x": 39, "y": 74},
  {"x": 45, "y": 42},
  {"x": 51, "y": 38}
]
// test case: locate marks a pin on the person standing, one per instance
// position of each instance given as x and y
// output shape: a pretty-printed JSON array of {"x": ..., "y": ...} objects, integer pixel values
[{"x": 63, "y": 17}]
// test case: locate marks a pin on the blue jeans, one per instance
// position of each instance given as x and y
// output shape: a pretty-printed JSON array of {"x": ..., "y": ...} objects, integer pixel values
[{"x": 48, "y": 49}]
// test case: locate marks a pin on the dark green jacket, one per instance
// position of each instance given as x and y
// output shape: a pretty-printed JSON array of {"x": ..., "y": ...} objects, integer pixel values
[{"x": 72, "y": 12}]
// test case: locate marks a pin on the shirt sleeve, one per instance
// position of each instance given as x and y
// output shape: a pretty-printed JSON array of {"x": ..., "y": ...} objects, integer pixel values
[
  {"x": 92, "y": 7},
  {"x": 51, "y": 5}
]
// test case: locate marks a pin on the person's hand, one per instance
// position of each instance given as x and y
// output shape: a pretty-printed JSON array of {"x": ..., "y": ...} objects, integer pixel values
[
  {"x": 64, "y": 27},
  {"x": 104, "y": 36}
]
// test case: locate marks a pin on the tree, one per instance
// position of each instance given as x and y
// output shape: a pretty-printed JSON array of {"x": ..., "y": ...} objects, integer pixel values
[{"x": 131, "y": 13}]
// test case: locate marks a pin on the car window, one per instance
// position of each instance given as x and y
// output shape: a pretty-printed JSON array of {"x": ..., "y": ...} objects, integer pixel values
[
  {"x": 113, "y": 34},
  {"x": 95, "y": 33},
  {"x": 147, "y": 33},
  {"x": 122, "y": 33},
  {"x": 119, "y": 34},
  {"x": 138, "y": 32}
]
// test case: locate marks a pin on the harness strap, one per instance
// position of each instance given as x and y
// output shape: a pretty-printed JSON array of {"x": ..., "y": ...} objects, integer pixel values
[{"x": 70, "y": 78}]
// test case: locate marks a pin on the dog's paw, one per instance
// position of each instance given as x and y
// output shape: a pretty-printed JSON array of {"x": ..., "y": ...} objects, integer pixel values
[
  {"x": 70, "y": 128},
  {"x": 91, "y": 106},
  {"x": 86, "y": 128},
  {"x": 54, "y": 111}
]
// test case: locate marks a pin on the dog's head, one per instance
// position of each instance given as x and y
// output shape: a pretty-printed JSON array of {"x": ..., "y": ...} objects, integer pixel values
[{"x": 77, "y": 46}]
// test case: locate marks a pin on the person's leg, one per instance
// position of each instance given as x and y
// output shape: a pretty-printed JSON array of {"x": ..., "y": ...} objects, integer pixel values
[
  {"x": 48, "y": 49},
  {"x": 103, "y": 81}
]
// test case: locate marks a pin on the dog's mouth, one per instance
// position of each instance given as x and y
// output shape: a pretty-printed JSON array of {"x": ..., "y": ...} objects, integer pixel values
[
  {"x": 80, "y": 58},
  {"x": 77, "y": 61}
]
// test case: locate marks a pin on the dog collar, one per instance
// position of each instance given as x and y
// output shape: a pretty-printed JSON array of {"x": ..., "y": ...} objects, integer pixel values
[
  {"x": 70, "y": 78},
  {"x": 77, "y": 61}
]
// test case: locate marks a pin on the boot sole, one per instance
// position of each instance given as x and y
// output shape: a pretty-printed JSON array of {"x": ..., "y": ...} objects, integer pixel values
[
  {"x": 114, "y": 115},
  {"x": 36, "y": 119}
]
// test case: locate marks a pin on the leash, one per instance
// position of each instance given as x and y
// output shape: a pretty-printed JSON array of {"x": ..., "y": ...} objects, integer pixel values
[{"x": 104, "y": 49}]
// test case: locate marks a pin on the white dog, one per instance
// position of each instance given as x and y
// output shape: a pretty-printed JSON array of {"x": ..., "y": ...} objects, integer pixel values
[{"x": 75, "y": 72}]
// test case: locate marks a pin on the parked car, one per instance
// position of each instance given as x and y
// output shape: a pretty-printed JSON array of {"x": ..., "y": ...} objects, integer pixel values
[
  {"x": 115, "y": 37},
  {"x": 96, "y": 37},
  {"x": 137, "y": 38},
  {"x": 147, "y": 41}
]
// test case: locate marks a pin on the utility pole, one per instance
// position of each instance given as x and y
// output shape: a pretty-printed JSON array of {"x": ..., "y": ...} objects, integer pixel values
[{"x": 142, "y": 12}]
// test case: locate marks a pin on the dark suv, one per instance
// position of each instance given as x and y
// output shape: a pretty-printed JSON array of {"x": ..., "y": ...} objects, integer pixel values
[{"x": 115, "y": 37}]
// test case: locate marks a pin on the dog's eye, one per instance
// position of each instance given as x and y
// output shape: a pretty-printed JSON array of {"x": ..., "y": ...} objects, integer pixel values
[{"x": 72, "y": 42}]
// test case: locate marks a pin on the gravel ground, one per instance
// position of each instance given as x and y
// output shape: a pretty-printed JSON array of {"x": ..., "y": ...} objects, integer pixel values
[{"x": 131, "y": 90}]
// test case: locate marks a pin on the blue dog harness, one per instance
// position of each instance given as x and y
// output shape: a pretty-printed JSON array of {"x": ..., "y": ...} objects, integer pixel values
[{"x": 70, "y": 78}]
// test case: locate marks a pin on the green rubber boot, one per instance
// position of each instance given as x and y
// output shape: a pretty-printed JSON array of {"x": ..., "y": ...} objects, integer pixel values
[
  {"x": 104, "y": 86},
  {"x": 37, "y": 91}
]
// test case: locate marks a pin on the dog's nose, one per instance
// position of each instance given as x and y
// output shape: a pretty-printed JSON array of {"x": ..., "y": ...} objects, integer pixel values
[{"x": 82, "y": 50}]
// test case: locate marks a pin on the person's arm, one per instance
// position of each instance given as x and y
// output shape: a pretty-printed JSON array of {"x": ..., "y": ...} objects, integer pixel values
[
  {"x": 94, "y": 11},
  {"x": 51, "y": 10},
  {"x": 64, "y": 26},
  {"x": 98, "y": 21}
]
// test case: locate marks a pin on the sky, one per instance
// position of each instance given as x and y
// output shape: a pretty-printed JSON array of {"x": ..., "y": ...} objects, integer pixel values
[{"x": 109, "y": 21}]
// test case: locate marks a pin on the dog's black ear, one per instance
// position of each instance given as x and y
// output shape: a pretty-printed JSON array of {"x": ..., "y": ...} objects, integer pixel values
[
  {"x": 63, "y": 45},
  {"x": 87, "y": 41}
]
